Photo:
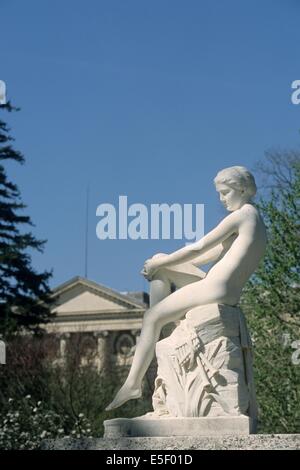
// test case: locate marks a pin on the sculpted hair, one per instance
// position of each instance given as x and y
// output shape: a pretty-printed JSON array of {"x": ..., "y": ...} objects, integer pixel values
[{"x": 237, "y": 177}]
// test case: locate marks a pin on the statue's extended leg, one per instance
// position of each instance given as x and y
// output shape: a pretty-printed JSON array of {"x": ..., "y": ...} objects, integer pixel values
[{"x": 172, "y": 308}]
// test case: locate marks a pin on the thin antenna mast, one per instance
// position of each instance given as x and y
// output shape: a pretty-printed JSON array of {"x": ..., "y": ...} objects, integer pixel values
[{"x": 86, "y": 231}]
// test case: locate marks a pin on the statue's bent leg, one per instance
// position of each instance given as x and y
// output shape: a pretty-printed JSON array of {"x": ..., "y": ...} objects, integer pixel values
[
  {"x": 160, "y": 287},
  {"x": 161, "y": 283},
  {"x": 170, "y": 309}
]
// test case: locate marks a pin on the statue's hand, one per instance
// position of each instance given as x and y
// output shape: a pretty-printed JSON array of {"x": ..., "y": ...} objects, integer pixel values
[
  {"x": 152, "y": 265},
  {"x": 149, "y": 268}
]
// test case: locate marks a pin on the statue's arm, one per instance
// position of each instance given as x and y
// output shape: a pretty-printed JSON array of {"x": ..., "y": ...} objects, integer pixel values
[
  {"x": 227, "y": 227},
  {"x": 211, "y": 255}
]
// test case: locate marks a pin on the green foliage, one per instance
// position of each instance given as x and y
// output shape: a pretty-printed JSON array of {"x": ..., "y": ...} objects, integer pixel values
[
  {"x": 271, "y": 303},
  {"x": 25, "y": 423},
  {"x": 88, "y": 391},
  {"x": 72, "y": 393},
  {"x": 24, "y": 293}
]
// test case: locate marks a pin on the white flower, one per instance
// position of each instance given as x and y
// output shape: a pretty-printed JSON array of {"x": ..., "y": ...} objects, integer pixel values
[
  {"x": 34, "y": 410},
  {"x": 28, "y": 397},
  {"x": 81, "y": 415},
  {"x": 44, "y": 433},
  {"x": 39, "y": 403},
  {"x": 60, "y": 431},
  {"x": 10, "y": 400}
]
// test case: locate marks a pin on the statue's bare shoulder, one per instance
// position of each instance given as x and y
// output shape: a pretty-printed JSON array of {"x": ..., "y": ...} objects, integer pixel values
[{"x": 248, "y": 215}]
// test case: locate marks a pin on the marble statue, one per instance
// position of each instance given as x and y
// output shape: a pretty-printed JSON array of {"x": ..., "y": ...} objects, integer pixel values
[{"x": 204, "y": 367}]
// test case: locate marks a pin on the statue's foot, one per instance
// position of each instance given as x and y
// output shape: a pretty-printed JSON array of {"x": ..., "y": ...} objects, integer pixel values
[{"x": 124, "y": 394}]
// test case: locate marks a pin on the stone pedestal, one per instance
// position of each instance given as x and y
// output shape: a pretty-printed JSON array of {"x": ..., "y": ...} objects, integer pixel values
[
  {"x": 205, "y": 366},
  {"x": 164, "y": 427},
  {"x": 204, "y": 384}
]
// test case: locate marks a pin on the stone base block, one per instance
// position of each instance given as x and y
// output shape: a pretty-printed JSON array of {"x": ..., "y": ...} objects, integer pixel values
[
  {"x": 251, "y": 442},
  {"x": 163, "y": 427}
]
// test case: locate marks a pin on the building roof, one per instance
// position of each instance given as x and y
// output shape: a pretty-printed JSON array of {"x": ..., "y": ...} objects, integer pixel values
[{"x": 84, "y": 304}]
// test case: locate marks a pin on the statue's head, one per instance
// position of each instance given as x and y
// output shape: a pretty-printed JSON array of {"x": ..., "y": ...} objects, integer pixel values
[{"x": 236, "y": 186}]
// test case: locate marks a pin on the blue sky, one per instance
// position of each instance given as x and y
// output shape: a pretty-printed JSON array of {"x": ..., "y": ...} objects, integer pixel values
[{"x": 147, "y": 99}]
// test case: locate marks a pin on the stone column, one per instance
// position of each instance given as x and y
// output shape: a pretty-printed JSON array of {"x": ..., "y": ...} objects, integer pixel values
[
  {"x": 63, "y": 345},
  {"x": 2, "y": 352},
  {"x": 102, "y": 349}
]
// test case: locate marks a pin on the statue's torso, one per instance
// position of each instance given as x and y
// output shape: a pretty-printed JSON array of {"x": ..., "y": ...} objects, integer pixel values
[{"x": 242, "y": 252}]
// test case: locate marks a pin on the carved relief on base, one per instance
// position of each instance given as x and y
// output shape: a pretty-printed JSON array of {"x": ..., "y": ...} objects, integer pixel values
[{"x": 205, "y": 366}]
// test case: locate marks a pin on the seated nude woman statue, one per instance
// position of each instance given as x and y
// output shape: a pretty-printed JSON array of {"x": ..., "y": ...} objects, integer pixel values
[{"x": 235, "y": 246}]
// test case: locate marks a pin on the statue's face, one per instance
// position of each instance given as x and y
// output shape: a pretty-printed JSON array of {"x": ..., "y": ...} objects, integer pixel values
[{"x": 231, "y": 198}]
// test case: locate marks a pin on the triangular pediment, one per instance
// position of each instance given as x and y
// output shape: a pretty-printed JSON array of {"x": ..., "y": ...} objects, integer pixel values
[{"x": 81, "y": 296}]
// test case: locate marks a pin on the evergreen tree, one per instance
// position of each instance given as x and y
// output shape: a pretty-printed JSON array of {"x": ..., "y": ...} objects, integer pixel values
[
  {"x": 24, "y": 292},
  {"x": 271, "y": 302}
]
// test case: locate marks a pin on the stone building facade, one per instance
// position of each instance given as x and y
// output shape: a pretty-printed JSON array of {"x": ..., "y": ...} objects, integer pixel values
[{"x": 105, "y": 322}]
